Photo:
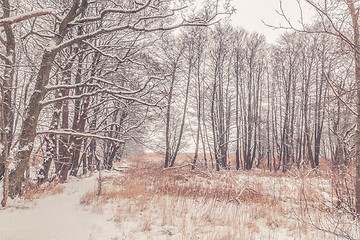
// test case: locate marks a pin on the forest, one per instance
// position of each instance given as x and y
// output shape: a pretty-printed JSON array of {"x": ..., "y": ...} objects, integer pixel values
[{"x": 87, "y": 84}]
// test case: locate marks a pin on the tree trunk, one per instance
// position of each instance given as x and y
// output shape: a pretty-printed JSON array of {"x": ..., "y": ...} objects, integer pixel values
[
  {"x": 184, "y": 115},
  {"x": 5, "y": 151},
  {"x": 198, "y": 101},
  {"x": 28, "y": 129},
  {"x": 7, "y": 84},
  {"x": 237, "y": 152},
  {"x": 51, "y": 144},
  {"x": 355, "y": 18},
  {"x": 168, "y": 115}
]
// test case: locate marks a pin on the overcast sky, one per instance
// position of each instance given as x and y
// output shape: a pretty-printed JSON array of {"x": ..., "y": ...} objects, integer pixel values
[{"x": 250, "y": 14}]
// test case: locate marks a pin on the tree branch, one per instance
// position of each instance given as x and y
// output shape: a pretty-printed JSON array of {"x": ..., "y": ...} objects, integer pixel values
[
  {"x": 78, "y": 134},
  {"x": 338, "y": 96},
  {"x": 25, "y": 16}
]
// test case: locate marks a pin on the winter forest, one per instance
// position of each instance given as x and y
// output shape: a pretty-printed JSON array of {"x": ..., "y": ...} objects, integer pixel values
[{"x": 160, "y": 119}]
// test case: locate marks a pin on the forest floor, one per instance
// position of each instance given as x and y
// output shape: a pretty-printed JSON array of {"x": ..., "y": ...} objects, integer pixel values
[
  {"x": 141, "y": 200},
  {"x": 56, "y": 214}
]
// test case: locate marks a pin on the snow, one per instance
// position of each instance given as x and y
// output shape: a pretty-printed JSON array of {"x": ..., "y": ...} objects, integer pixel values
[
  {"x": 1, "y": 147},
  {"x": 79, "y": 134},
  {"x": 26, "y": 147},
  {"x": 56, "y": 217},
  {"x": 131, "y": 212},
  {"x": 25, "y": 16},
  {"x": 52, "y": 45}
]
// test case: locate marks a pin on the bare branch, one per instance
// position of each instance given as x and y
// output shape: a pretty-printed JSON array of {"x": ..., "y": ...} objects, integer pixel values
[
  {"x": 113, "y": 10},
  {"x": 70, "y": 132},
  {"x": 338, "y": 96},
  {"x": 57, "y": 48},
  {"x": 25, "y": 16}
]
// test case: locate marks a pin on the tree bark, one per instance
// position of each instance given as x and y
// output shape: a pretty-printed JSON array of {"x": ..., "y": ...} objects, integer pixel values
[
  {"x": 6, "y": 135},
  {"x": 28, "y": 129},
  {"x": 184, "y": 115},
  {"x": 355, "y": 20}
]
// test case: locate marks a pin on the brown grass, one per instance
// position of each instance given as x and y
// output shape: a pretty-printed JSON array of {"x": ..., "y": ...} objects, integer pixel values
[
  {"x": 34, "y": 191},
  {"x": 88, "y": 198},
  {"x": 216, "y": 205},
  {"x": 147, "y": 180},
  {"x": 172, "y": 195},
  {"x": 150, "y": 180}
]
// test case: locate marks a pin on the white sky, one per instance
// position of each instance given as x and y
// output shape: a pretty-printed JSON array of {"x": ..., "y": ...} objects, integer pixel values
[{"x": 250, "y": 14}]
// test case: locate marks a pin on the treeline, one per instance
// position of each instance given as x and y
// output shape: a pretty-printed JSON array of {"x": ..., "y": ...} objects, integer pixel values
[
  {"x": 79, "y": 80},
  {"x": 281, "y": 105},
  {"x": 85, "y": 80}
]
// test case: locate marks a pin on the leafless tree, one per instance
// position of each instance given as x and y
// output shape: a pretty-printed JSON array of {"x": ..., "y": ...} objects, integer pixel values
[
  {"x": 69, "y": 42},
  {"x": 341, "y": 20}
]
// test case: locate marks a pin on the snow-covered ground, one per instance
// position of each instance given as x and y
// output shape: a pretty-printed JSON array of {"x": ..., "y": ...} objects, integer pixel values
[
  {"x": 57, "y": 217},
  {"x": 143, "y": 201}
]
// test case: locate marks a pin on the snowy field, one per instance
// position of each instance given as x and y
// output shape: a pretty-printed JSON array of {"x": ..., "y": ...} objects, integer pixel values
[{"x": 140, "y": 200}]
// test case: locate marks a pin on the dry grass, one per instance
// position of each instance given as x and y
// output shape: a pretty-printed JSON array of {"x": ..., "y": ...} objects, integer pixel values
[
  {"x": 202, "y": 204},
  {"x": 34, "y": 191},
  {"x": 191, "y": 201},
  {"x": 151, "y": 180},
  {"x": 88, "y": 198}
]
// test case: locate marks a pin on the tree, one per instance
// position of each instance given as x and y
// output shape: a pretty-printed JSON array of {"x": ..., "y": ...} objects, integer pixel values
[
  {"x": 7, "y": 56},
  {"x": 238, "y": 69},
  {"x": 345, "y": 28},
  {"x": 174, "y": 61},
  {"x": 220, "y": 105},
  {"x": 84, "y": 21},
  {"x": 250, "y": 90}
]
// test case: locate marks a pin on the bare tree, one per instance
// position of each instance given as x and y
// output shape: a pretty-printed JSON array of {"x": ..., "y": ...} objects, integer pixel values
[
  {"x": 145, "y": 17},
  {"x": 341, "y": 20}
]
